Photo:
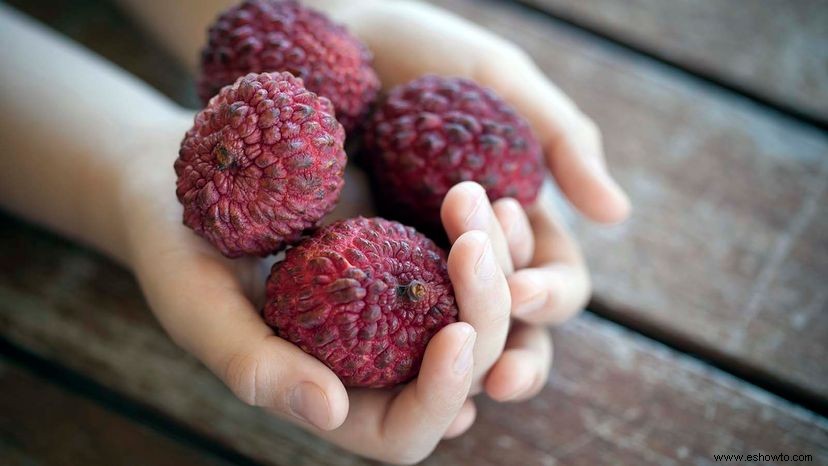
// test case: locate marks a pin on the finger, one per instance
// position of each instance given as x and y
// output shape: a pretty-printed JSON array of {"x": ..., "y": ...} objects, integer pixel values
[
  {"x": 200, "y": 303},
  {"x": 516, "y": 229},
  {"x": 571, "y": 141},
  {"x": 463, "y": 421},
  {"x": 557, "y": 285},
  {"x": 549, "y": 295},
  {"x": 522, "y": 370},
  {"x": 423, "y": 411},
  {"x": 466, "y": 207},
  {"x": 404, "y": 427},
  {"x": 482, "y": 295}
]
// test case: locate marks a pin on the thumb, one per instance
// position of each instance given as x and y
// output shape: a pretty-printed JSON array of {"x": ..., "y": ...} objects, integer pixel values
[{"x": 210, "y": 317}]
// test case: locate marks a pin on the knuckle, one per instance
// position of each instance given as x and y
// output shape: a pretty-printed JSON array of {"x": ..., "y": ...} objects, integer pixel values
[
  {"x": 500, "y": 310},
  {"x": 493, "y": 319},
  {"x": 241, "y": 374},
  {"x": 436, "y": 405},
  {"x": 447, "y": 404},
  {"x": 501, "y": 317}
]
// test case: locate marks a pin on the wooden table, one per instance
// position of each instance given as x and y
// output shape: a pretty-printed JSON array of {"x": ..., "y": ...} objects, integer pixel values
[{"x": 708, "y": 332}]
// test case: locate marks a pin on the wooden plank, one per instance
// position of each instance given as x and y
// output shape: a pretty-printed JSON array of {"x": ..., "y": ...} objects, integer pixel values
[
  {"x": 43, "y": 425},
  {"x": 614, "y": 397},
  {"x": 775, "y": 49},
  {"x": 723, "y": 248},
  {"x": 715, "y": 182},
  {"x": 726, "y": 246},
  {"x": 721, "y": 187}
]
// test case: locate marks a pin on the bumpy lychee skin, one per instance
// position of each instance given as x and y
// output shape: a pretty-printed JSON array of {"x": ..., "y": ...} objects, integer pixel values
[
  {"x": 364, "y": 296},
  {"x": 268, "y": 35},
  {"x": 435, "y": 132},
  {"x": 261, "y": 164}
]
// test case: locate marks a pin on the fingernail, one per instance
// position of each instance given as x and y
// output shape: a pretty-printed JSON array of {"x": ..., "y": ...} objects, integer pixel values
[
  {"x": 486, "y": 265},
  {"x": 309, "y": 403},
  {"x": 531, "y": 305},
  {"x": 463, "y": 361},
  {"x": 478, "y": 218}
]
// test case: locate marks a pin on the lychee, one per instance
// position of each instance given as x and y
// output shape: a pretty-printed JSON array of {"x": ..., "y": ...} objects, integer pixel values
[
  {"x": 269, "y": 35},
  {"x": 435, "y": 132},
  {"x": 364, "y": 296},
  {"x": 261, "y": 164}
]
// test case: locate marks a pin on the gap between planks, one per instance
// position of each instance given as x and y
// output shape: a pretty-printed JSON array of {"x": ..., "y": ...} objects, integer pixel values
[
  {"x": 137, "y": 411},
  {"x": 692, "y": 72},
  {"x": 677, "y": 337},
  {"x": 713, "y": 357},
  {"x": 85, "y": 387},
  {"x": 638, "y": 325}
]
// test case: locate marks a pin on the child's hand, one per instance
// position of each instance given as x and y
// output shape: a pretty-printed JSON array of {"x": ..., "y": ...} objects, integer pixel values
[
  {"x": 209, "y": 306},
  {"x": 110, "y": 170},
  {"x": 547, "y": 277}
]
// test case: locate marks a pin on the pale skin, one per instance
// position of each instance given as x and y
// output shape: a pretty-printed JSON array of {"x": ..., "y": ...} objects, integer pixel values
[{"x": 88, "y": 152}]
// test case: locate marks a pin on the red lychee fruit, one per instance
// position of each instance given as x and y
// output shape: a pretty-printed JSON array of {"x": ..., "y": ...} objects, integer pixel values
[
  {"x": 268, "y": 35},
  {"x": 364, "y": 296},
  {"x": 261, "y": 164},
  {"x": 435, "y": 132}
]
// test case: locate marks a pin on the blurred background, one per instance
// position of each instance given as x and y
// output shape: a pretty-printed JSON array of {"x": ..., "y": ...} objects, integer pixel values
[{"x": 708, "y": 329}]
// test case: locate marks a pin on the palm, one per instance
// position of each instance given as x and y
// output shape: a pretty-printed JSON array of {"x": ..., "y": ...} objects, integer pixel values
[{"x": 355, "y": 198}]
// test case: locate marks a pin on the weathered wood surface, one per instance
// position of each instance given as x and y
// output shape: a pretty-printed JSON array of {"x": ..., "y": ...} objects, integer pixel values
[
  {"x": 726, "y": 247},
  {"x": 719, "y": 186},
  {"x": 776, "y": 49},
  {"x": 43, "y": 425},
  {"x": 613, "y": 398}
]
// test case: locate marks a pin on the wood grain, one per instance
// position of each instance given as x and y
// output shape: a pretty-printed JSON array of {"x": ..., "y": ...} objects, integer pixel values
[
  {"x": 725, "y": 248},
  {"x": 720, "y": 189},
  {"x": 43, "y": 425},
  {"x": 776, "y": 49},
  {"x": 614, "y": 397}
]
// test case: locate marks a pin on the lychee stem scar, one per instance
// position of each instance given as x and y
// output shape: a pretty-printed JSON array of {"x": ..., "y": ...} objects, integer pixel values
[
  {"x": 224, "y": 157},
  {"x": 415, "y": 290}
]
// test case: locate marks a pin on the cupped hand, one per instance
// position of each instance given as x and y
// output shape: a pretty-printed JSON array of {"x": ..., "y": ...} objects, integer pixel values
[
  {"x": 513, "y": 269},
  {"x": 210, "y": 305},
  {"x": 410, "y": 39}
]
